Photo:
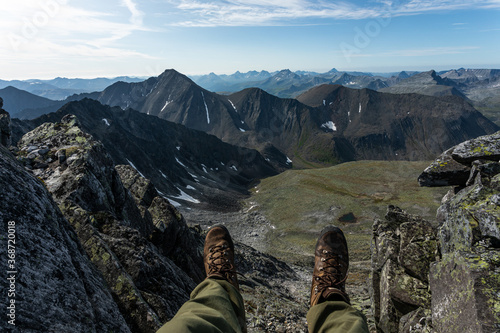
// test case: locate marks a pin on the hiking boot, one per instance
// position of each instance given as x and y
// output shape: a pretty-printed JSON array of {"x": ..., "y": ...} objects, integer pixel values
[
  {"x": 331, "y": 263},
  {"x": 218, "y": 255}
]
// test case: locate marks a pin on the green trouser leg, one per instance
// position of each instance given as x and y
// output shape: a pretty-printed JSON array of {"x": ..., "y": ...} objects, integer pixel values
[
  {"x": 215, "y": 306},
  {"x": 335, "y": 317}
]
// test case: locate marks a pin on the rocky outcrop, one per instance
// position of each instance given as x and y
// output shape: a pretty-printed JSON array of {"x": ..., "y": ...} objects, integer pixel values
[
  {"x": 403, "y": 248},
  {"x": 129, "y": 232},
  {"x": 465, "y": 281},
  {"x": 55, "y": 287}
]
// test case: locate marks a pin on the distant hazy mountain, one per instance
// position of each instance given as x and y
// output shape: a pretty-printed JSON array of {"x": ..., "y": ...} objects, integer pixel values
[
  {"x": 16, "y": 100},
  {"x": 426, "y": 83},
  {"x": 480, "y": 85},
  {"x": 61, "y": 88},
  {"x": 287, "y": 84},
  {"x": 223, "y": 83},
  {"x": 463, "y": 75}
]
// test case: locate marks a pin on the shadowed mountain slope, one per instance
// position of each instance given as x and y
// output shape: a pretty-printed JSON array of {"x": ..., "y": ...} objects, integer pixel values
[
  {"x": 366, "y": 124},
  {"x": 188, "y": 166}
]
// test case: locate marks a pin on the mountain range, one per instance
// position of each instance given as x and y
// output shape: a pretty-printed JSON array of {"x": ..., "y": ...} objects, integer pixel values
[
  {"x": 481, "y": 86},
  {"x": 326, "y": 125}
]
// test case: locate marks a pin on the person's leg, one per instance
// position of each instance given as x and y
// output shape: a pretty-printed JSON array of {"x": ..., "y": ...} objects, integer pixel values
[
  {"x": 330, "y": 305},
  {"x": 216, "y": 304},
  {"x": 335, "y": 316}
]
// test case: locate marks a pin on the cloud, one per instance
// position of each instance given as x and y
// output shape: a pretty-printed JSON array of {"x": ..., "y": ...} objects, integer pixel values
[
  {"x": 137, "y": 15},
  {"x": 264, "y": 12},
  {"x": 55, "y": 28},
  {"x": 196, "y": 13}
]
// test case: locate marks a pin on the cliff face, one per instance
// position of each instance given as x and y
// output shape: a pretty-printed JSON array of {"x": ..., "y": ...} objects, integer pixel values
[
  {"x": 126, "y": 233},
  {"x": 47, "y": 249},
  {"x": 466, "y": 279},
  {"x": 444, "y": 276}
]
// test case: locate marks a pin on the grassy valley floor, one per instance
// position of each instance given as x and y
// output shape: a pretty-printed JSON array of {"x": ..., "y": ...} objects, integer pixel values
[{"x": 299, "y": 203}]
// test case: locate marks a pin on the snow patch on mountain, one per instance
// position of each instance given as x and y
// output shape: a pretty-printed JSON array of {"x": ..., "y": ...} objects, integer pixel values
[
  {"x": 206, "y": 107},
  {"x": 329, "y": 125},
  {"x": 186, "y": 197},
  {"x": 166, "y": 104},
  {"x": 180, "y": 162},
  {"x": 234, "y": 107}
]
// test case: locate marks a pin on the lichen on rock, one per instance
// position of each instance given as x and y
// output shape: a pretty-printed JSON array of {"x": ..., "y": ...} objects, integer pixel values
[
  {"x": 403, "y": 247},
  {"x": 465, "y": 281}
]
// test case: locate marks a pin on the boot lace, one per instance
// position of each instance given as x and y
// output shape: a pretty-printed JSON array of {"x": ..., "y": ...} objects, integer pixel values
[
  {"x": 218, "y": 263},
  {"x": 328, "y": 278}
]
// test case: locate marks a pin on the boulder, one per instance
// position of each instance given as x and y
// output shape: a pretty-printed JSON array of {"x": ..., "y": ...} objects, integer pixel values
[
  {"x": 418, "y": 248},
  {"x": 444, "y": 171},
  {"x": 419, "y": 321},
  {"x": 470, "y": 216},
  {"x": 485, "y": 147},
  {"x": 459, "y": 165}
]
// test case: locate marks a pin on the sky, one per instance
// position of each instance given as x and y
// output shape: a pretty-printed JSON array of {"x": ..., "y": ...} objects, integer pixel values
[{"x": 44, "y": 39}]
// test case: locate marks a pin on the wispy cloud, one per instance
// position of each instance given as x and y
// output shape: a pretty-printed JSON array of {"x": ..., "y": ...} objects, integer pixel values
[
  {"x": 137, "y": 16},
  {"x": 276, "y": 12},
  {"x": 264, "y": 12},
  {"x": 31, "y": 22}
]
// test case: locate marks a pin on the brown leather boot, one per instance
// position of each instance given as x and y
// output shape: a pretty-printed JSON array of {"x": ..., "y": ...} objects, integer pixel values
[
  {"x": 218, "y": 255},
  {"x": 330, "y": 267}
]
